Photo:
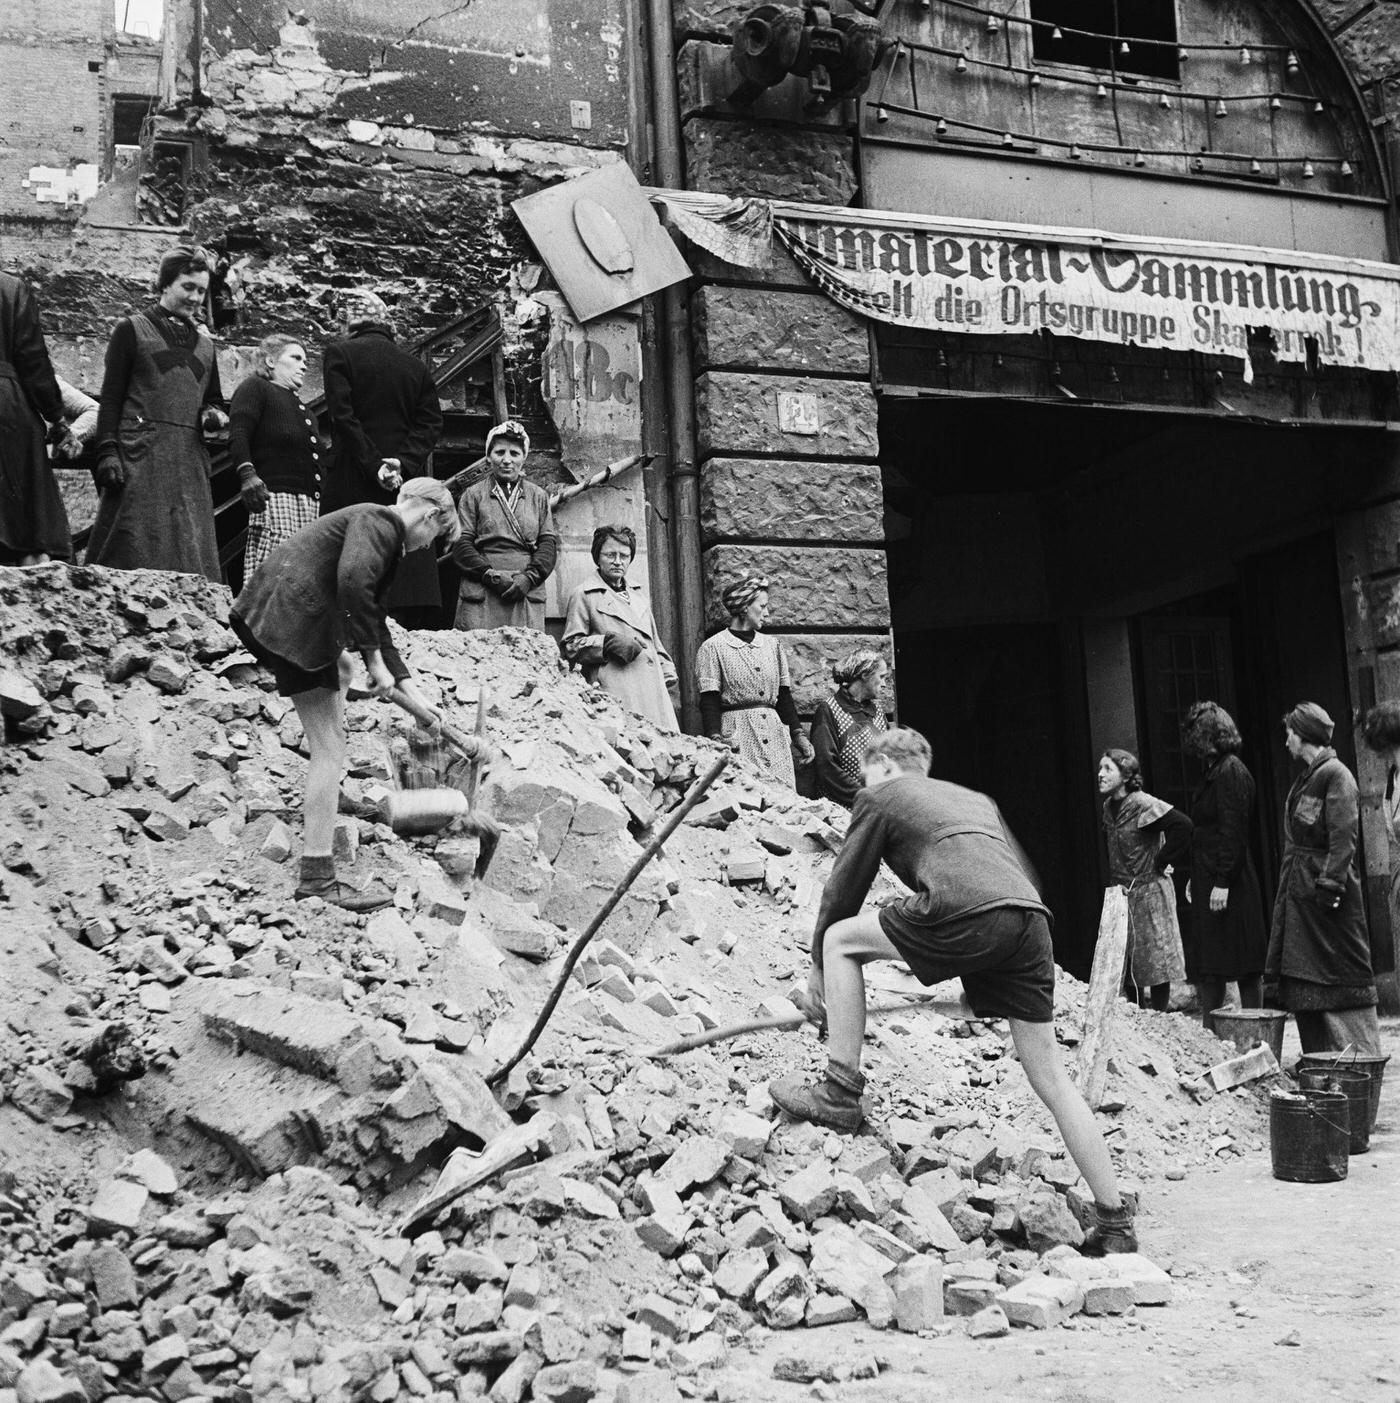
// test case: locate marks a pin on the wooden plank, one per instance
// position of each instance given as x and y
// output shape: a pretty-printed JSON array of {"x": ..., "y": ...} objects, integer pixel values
[{"x": 1101, "y": 1002}]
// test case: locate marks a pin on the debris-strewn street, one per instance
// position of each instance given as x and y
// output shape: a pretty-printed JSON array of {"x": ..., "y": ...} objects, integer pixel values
[{"x": 275, "y": 1206}]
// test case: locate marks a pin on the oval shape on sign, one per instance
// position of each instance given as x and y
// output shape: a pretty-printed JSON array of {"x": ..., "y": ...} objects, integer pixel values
[{"x": 603, "y": 237}]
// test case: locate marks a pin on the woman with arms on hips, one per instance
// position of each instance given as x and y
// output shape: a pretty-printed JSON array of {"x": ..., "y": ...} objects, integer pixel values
[
  {"x": 746, "y": 686},
  {"x": 1145, "y": 837},
  {"x": 611, "y": 634},
  {"x": 275, "y": 446},
  {"x": 319, "y": 596},
  {"x": 847, "y": 722},
  {"x": 1227, "y": 909},
  {"x": 160, "y": 390},
  {"x": 1319, "y": 961}
]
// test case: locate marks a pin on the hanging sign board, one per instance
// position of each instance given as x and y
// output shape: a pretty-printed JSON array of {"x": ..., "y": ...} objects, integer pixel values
[
  {"x": 985, "y": 281},
  {"x": 602, "y": 241}
]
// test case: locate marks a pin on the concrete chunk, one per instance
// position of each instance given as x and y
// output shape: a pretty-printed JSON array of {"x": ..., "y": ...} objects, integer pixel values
[
  {"x": 918, "y": 1294},
  {"x": 740, "y": 1272},
  {"x": 117, "y": 1208},
  {"x": 696, "y": 1161},
  {"x": 810, "y": 1193},
  {"x": 1041, "y": 1302},
  {"x": 781, "y": 1297}
]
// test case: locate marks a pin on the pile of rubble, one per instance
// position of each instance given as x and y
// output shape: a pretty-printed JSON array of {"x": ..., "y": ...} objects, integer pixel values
[{"x": 312, "y": 1192}]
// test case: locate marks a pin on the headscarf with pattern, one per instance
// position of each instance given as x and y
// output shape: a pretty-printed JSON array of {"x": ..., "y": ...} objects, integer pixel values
[{"x": 737, "y": 596}]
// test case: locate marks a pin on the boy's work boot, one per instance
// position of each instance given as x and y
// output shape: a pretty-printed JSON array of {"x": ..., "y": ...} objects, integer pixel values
[
  {"x": 1112, "y": 1232},
  {"x": 318, "y": 879},
  {"x": 835, "y": 1103}
]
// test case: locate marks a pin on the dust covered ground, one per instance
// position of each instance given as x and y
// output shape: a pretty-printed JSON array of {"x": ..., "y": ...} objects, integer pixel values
[{"x": 245, "y": 1220}]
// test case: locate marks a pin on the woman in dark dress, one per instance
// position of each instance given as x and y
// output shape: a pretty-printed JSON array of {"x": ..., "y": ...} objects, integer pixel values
[
  {"x": 1227, "y": 908},
  {"x": 276, "y": 449},
  {"x": 160, "y": 388},
  {"x": 33, "y": 524}
]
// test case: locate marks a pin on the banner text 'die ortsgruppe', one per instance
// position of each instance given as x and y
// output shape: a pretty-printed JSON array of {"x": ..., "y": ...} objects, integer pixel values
[{"x": 986, "y": 284}]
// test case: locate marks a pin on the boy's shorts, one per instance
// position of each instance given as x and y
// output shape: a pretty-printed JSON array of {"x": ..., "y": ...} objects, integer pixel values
[
  {"x": 1003, "y": 957},
  {"x": 291, "y": 680}
]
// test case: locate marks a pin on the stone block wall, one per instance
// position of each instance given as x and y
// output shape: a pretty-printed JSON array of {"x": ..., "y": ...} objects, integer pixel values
[{"x": 786, "y": 418}]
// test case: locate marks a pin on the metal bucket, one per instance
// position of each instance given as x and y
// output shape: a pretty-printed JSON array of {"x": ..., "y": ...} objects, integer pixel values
[
  {"x": 1248, "y": 1027},
  {"x": 1374, "y": 1067},
  {"x": 1308, "y": 1135},
  {"x": 1356, "y": 1087}
]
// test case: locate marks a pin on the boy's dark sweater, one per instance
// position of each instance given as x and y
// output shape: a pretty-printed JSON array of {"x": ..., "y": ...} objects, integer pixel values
[{"x": 948, "y": 844}]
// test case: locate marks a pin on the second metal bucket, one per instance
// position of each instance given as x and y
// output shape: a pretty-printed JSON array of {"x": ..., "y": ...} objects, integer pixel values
[
  {"x": 1247, "y": 1027},
  {"x": 1356, "y": 1087}
]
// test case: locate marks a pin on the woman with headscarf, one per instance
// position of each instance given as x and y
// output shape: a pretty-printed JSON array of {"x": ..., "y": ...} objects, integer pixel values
[
  {"x": 33, "y": 523},
  {"x": 509, "y": 541},
  {"x": 746, "y": 687},
  {"x": 278, "y": 453},
  {"x": 846, "y": 722},
  {"x": 1319, "y": 960},
  {"x": 611, "y": 634},
  {"x": 1146, "y": 837},
  {"x": 160, "y": 390},
  {"x": 1227, "y": 909}
]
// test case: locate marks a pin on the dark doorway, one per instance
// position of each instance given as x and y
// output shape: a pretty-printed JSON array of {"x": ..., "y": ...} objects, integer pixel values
[
  {"x": 992, "y": 703},
  {"x": 1021, "y": 537}
]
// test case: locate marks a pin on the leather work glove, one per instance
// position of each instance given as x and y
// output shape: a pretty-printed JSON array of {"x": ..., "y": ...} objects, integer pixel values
[
  {"x": 213, "y": 420},
  {"x": 497, "y": 581},
  {"x": 69, "y": 446},
  {"x": 517, "y": 588},
  {"x": 619, "y": 648},
  {"x": 109, "y": 475},
  {"x": 252, "y": 489}
]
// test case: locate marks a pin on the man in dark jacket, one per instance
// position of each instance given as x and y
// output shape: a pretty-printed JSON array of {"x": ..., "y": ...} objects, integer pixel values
[
  {"x": 33, "y": 524},
  {"x": 974, "y": 914},
  {"x": 385, "y": 420}
]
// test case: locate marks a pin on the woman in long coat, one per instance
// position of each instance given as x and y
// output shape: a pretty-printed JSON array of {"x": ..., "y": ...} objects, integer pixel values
[
  {"x": 1319, "y": 959},
  {"x": 33, "y": 524},
  {"x": 159, "y": 389},
  {"x": 846, "y": 722},
  {"x": 509, "y": 541},
  {"x": 611, "y": 634},
  {"x": 1227, "y": 907},
  {"x": 1145, "y": 837},
  {"x": 746, "y": 687}
]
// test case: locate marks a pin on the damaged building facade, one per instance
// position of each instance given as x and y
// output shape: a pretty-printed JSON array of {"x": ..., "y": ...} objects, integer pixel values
[{"x": 1064, "y": 524}]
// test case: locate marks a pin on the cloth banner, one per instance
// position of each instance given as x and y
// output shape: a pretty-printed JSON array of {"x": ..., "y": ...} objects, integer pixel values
[{"x": 986, "y": 281}]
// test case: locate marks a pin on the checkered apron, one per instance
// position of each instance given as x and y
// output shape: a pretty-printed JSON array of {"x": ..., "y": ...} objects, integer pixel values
[{"x": 284, "y": 514}]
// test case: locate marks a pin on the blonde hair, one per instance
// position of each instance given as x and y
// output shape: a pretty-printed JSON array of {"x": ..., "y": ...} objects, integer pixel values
[
  {"x": 905, "y": 747},
  {"x": 430, "y": 490},
  {"x": 270, "y": 348}
]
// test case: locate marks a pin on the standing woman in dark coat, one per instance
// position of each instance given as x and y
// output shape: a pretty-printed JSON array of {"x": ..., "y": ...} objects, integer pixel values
[
  {"x": 1319, "y": 959},
  {"x": 1227, "y": 908},
  {"x": 385, "y": 420},
  {"x": 33, "y": 524},
  {"x": 278, "y": 453},
  {"x": 159, "y": 389}
]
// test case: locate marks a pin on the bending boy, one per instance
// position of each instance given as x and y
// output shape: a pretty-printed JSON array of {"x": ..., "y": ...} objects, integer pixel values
[{"x": 974, "y": 914}]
